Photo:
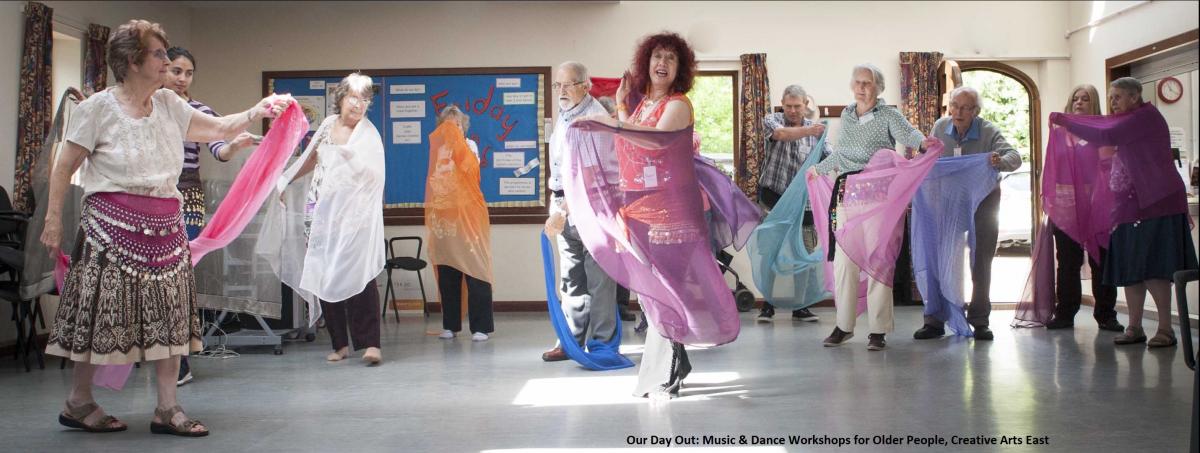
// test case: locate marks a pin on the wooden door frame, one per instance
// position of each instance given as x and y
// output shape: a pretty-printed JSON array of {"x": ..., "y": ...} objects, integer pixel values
[{"x": 1121, "y": 65}]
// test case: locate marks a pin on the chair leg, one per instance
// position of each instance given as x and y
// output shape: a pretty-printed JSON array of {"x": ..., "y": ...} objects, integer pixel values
[
  {"x": 395, "y": 309},
  {"x": 424, "y": 300},
  {"x": 22, "y": 346},
  {"x": 33, "y": 343},
  {"x": 16, "y": 320},
  {"x": 386, "y": 292}
]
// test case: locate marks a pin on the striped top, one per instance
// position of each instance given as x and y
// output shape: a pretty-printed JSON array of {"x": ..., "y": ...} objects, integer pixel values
[{"x": 191, "y": 150}]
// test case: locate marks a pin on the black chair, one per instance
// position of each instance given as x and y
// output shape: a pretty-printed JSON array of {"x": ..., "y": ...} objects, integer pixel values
[
  {"x": 406, "y": 263},
  {"x": 1190, "y": 356},
  {"x": 26, "y": 313}
]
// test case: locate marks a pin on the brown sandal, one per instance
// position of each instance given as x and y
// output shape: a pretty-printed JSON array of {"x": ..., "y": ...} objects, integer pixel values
[
  {"x": 184, "y": 429},
  {"x": 73, "y": 418}
]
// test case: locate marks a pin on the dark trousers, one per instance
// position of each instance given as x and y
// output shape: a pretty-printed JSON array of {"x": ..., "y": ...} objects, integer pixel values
[
  {"x": 479, "y": 301},
  {"x": 1068, "y": 284},
  {"x": 768, "y": 197},
  {"x": 355, "y": 318},
  {"x": 987, "y": 231}
]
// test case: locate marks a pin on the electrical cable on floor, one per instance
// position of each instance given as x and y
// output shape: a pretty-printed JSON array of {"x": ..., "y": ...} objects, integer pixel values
[{"x": 219, "y": 351}]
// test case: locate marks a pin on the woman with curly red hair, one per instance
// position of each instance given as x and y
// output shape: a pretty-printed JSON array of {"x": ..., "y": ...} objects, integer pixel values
[{"x": 663, "y": 70}]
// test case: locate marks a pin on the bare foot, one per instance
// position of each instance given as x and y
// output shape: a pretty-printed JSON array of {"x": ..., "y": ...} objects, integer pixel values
[
  {"x": 338, "y": 355},
  {"x": 372, "y": 356}
]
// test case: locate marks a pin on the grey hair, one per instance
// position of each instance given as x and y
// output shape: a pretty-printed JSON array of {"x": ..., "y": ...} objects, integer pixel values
[
  {"x": 452, "y": 110},
  {"x": 1129, "y": 84},
  {"x": 356, "y": 83},
  {"x": 968, "y": 90},
  {"x": 880, "y": 83},
  {"x": 795, "y": 91},
  {"x": 580, "y": 71}
]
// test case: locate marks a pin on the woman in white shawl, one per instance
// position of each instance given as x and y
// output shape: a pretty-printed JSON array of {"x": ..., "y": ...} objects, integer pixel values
[{"x": 326, "y": 239}]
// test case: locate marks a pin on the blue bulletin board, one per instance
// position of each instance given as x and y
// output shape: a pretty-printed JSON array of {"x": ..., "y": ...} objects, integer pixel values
[{"x": 507, "y": 107}]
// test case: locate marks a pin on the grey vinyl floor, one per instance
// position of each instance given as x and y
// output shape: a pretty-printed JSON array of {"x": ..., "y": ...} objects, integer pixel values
[{"x": 430, "y": 395}]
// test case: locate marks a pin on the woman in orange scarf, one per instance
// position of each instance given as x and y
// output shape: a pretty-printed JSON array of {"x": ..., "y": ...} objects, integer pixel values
[{"x": 459, "y": 233}]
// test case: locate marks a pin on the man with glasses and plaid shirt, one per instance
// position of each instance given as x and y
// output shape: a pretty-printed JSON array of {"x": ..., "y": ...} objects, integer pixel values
[{"x": 790, "y": 137}]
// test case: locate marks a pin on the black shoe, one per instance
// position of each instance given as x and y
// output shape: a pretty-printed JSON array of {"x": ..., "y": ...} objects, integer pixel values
[
  {"x": 983, "y": 333},
  {"x": 1067, "y": 323},
  {"x": 875, "y": 342},
  {"x": 766, "y": 314},
  {"x": 837, "y": 338},
  {"x": 1111, "y": 325},
  {"x": 642, "y": 326},
  {"x": 804, "y": 315},
  {"x": 928, "y": 332}
]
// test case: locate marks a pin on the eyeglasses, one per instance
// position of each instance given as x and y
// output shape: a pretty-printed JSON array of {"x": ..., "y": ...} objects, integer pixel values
[
  {"x": 558, "y": 86},
  {"x": 160, "y": 54},
  {"x": 355, "y": 102}
]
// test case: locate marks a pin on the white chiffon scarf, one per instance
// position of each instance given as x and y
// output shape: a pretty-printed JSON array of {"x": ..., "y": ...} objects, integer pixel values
[{"x": 345, "y": 246}]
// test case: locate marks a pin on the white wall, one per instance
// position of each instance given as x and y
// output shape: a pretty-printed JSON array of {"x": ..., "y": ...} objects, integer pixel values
[
  {"x": 1146, "y": 24},
  {"x": 174, "y": 18},
  {"x": 814, "y": 44}
]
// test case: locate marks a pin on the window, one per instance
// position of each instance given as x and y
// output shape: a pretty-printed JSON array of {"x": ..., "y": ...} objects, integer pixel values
[
  {"x": 67, "y": 66},
  {"x": 714, "y": 98}
]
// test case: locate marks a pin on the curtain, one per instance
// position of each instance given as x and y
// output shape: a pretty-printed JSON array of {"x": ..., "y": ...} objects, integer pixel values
[
  {"x": 755, "y": 104},
  {"x": 95, "y": 67},
  {"x": 920, "y": 98},
  {"x": 33, "y": 101}
]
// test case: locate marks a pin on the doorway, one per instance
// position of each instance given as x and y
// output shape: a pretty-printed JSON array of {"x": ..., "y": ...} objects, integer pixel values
[{"x": 1010, "y": 101}]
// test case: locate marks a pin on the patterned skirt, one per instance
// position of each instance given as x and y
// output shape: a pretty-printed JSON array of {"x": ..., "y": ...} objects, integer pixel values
[{"x": 130, "y": 294}]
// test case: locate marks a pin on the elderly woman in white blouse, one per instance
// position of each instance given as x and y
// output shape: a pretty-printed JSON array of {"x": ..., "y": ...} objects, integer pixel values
[
  {"x": 130, "y": 294},
  {"x": 867, "y": 126}
]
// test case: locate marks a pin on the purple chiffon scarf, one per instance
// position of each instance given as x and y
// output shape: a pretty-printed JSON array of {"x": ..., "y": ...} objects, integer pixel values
[
  {"x": 943, "y": 227},
  {"x": 1101, "y": 171},
  {"x": 654, "y": 240}
]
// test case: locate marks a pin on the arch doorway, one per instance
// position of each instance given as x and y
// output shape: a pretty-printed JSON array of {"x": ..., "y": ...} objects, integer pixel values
[{"x": 1011, "y": 102}]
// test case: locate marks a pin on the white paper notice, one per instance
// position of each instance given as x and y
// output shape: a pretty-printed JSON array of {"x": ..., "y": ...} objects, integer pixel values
[
  {"x": 407, "y": 89},
  {"x": 518, "y": 186},
  {"x": 407, "y": 109},
  {"x": 508, "y": 83},
  {"x": 406, "y": 132},
  {"x": 1178, "y": 136},
  {"x": 316, "y": 84},
  {"x": 508, "y": 159},
  {"x": 522, "y": 98},
  {"x": 525, "y": 144}
]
